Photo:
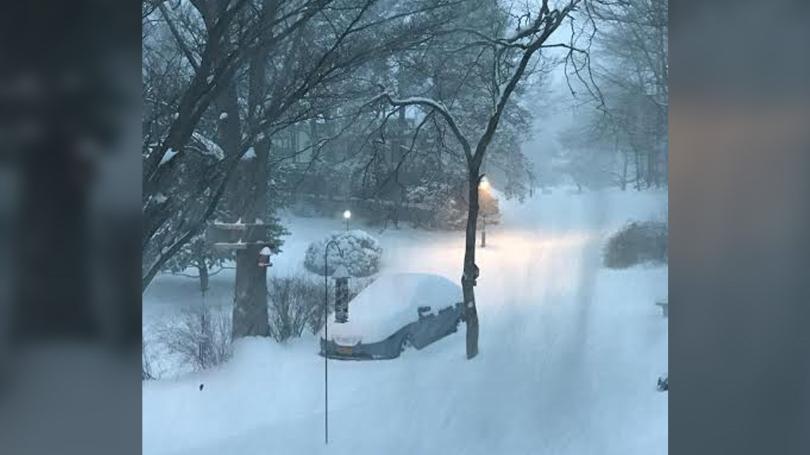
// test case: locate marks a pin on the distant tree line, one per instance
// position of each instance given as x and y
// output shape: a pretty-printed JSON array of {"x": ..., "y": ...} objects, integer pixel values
[{"x": 622, "y": 138}]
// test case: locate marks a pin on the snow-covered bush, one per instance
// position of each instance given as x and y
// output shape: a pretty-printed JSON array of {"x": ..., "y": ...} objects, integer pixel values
[
  {"x": 201, "y": 337},
  {"x": 296, "y": 302},
  {"x": 147, "y": 373},
  {"x": 357, "y": 250},
  {"x": 637, "y": 243}
]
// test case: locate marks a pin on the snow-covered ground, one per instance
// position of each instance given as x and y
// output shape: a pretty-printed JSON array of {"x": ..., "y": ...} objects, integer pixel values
[{"x": 569, "y": 352}]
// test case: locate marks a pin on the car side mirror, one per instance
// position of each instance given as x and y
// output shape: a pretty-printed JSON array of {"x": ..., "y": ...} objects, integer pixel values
[{"x": 422, "y": 310}]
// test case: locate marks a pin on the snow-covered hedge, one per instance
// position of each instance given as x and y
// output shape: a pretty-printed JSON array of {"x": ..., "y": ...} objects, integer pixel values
[
  {"x": 637, "y": 243},
  {"x": 357, "y": 250}
]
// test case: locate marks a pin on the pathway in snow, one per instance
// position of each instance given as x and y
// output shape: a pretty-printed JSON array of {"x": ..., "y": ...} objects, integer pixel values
[{"x": 569, "y": 354}]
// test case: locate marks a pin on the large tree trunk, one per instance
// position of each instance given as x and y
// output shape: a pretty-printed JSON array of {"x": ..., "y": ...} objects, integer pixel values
[
  {"x": 468, "y": 279},
  {"x": 250, "y": 300},
  {"x": 250, "y": 314},
  {"x": 202, "y": 271}
]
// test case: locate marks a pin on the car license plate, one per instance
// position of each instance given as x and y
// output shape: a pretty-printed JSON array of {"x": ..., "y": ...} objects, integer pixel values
[{"x": 346, "y": 350}]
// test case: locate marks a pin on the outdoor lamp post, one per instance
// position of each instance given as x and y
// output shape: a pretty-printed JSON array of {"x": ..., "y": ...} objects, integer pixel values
[
  {"x": 484, "y": 188},
  {"x": 483, "y": 231},
  {"x": 347, "y": 216},
  {"x": 484, "y": 185},
  {"x": 326, "y": 335}
]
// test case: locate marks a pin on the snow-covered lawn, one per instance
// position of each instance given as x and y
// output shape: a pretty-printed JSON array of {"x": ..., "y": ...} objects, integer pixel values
[{"x": 569, "y": 352}]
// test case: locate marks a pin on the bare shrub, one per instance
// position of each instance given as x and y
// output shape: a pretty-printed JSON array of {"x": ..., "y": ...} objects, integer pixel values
[
  {"x": 637, "y": 243},
  {"x": 200, "y": 337},
  {"x": 147, "y": 373},
  {"x": 296, "y": 302}
]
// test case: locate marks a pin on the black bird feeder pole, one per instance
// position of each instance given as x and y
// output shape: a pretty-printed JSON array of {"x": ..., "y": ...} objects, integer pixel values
[{"x": 326, "y": 338}]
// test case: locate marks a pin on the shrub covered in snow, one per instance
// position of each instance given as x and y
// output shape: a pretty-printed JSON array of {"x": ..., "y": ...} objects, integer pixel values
[
  {"x": 637, "y": 243},
  {"x": 357, "y": 250},
  {"x": 201, "y": 337},
  {"x": 296, "y": 302},
  {"x": 147, "y": 372}
]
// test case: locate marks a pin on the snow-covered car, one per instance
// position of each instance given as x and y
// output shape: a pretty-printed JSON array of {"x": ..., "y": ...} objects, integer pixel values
[{"x": 392, "y": 313}]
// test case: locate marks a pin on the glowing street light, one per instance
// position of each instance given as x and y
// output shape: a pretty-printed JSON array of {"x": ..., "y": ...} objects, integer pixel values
[
  {"x": 347, "y": 216},
  {"x": 484, "y": 185}
]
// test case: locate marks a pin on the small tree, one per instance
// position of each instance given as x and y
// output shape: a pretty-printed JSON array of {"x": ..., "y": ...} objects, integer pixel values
[
  {"x": 444, "y": 203},
  {"x": 197, "y": 255}
]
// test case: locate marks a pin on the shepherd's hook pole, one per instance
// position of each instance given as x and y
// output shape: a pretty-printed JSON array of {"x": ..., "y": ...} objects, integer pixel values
[{"x": 326, "y": 338}]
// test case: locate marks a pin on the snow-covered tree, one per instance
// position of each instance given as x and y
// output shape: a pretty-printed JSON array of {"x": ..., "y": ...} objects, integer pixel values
[
  {"x": 198, "y": 256},
  {"x": 243, "y": 74},
  {"x": 630, "y": 119},
  {"x": 494, "y": 57}
]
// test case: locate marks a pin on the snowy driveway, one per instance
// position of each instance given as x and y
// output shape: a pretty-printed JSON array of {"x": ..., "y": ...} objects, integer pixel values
[{"x": 570, "y": 353}]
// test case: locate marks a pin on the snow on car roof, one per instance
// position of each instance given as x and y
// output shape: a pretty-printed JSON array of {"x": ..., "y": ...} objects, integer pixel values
[{"x": 390, "y": 303}]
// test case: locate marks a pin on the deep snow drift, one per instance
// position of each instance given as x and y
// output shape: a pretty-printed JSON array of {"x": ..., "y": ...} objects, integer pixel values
[{"x": 569, "y": 352}]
